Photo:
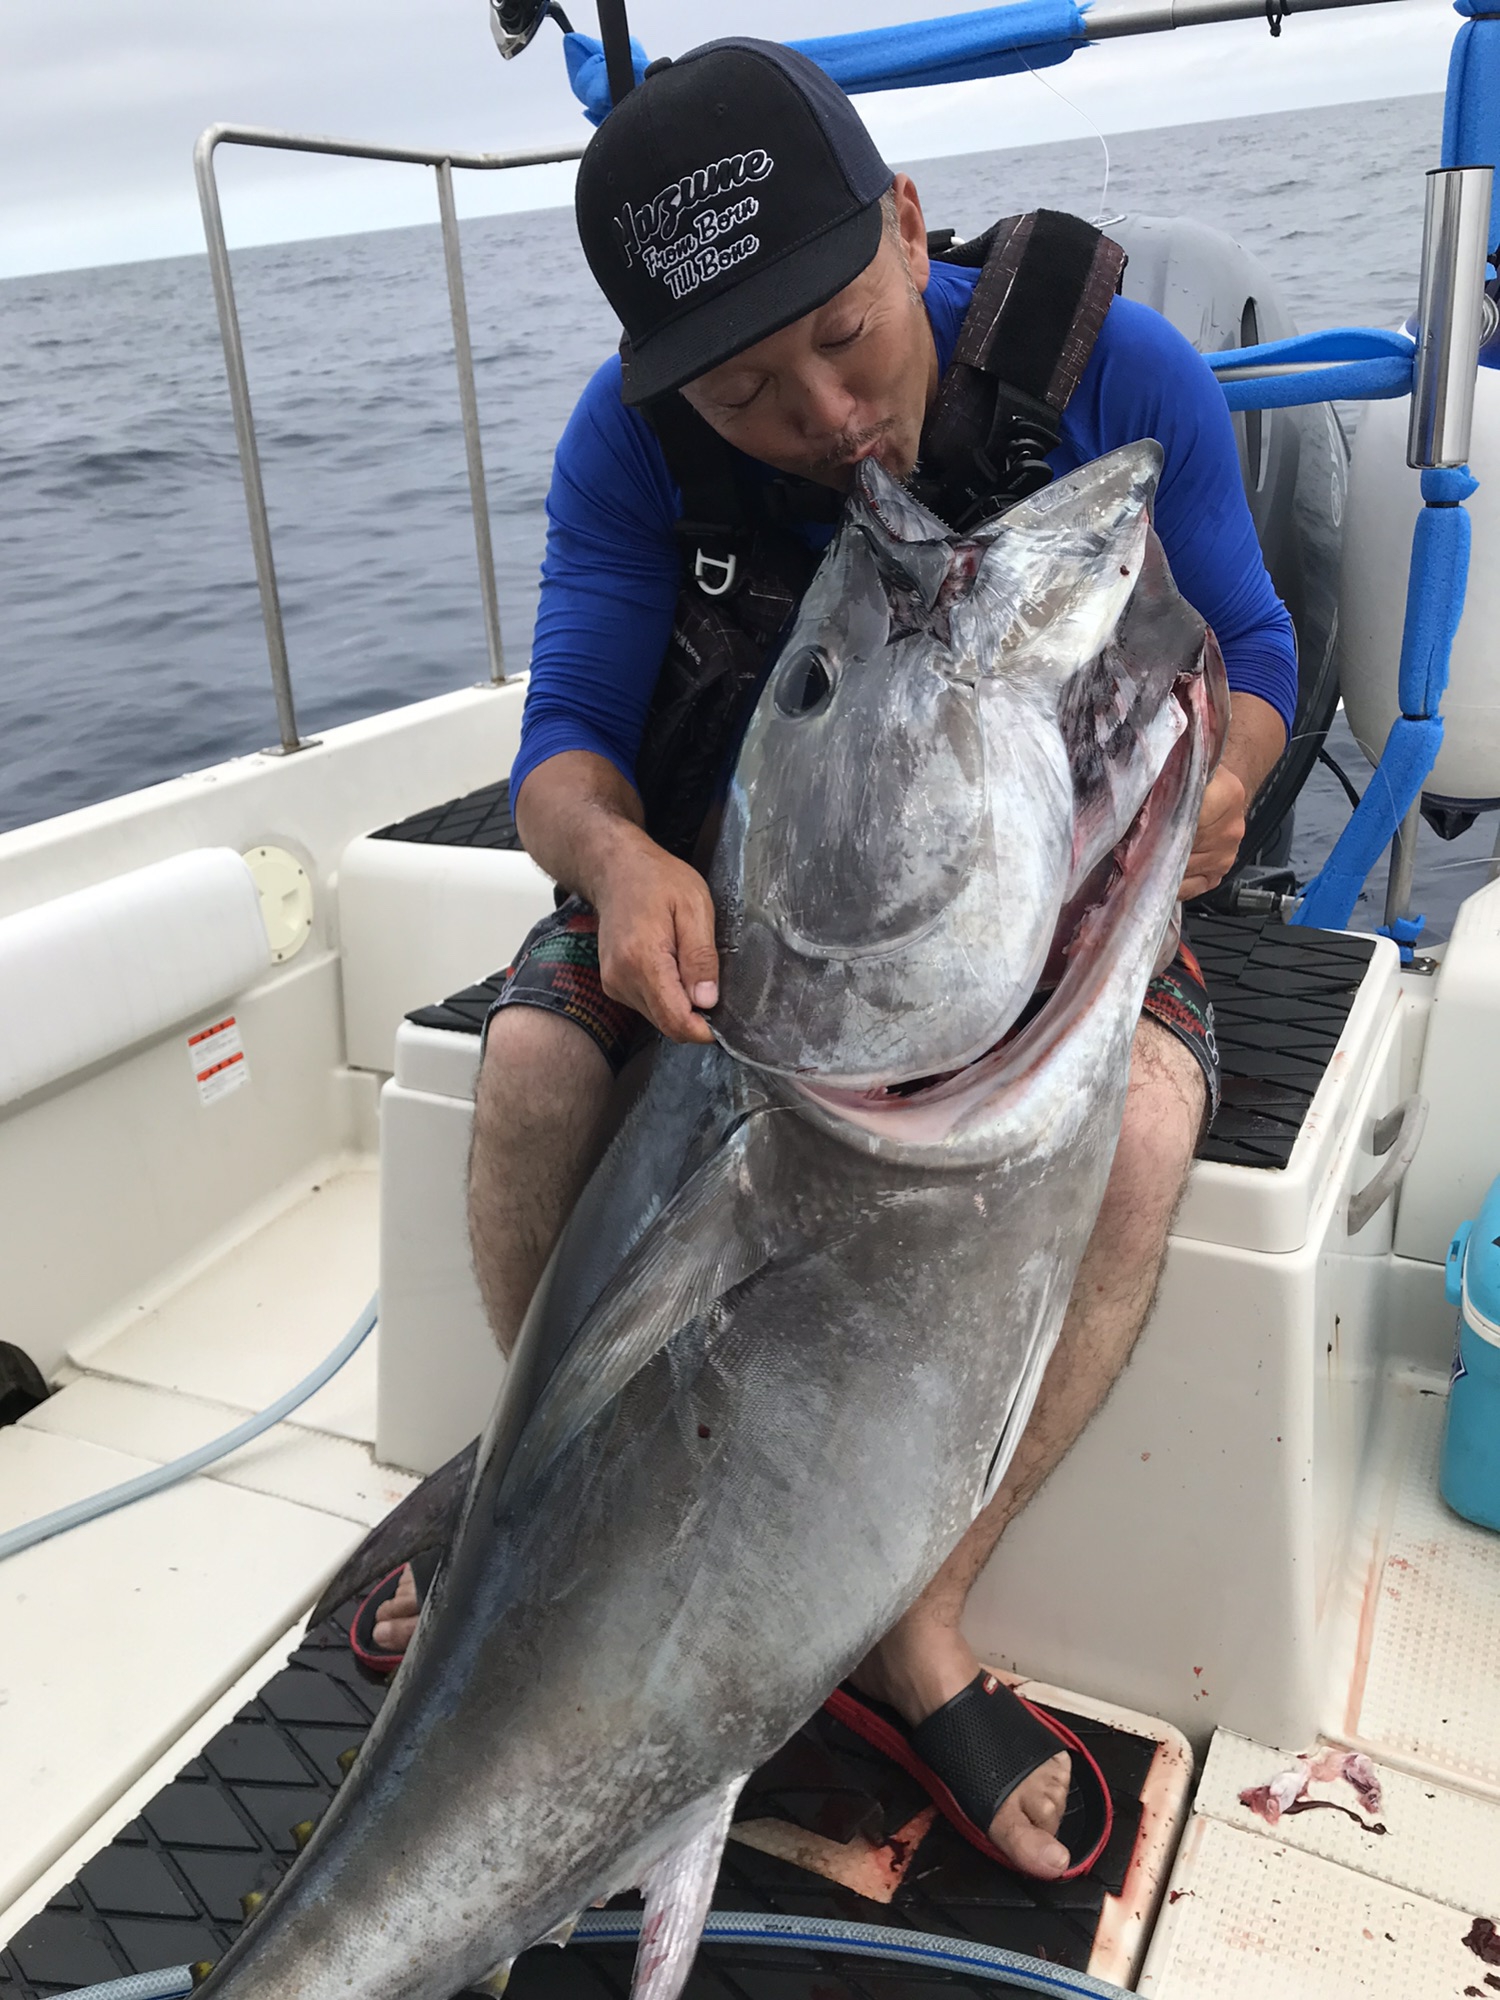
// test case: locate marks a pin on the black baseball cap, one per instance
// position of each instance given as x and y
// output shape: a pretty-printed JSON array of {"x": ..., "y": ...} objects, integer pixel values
[{"x": 729, "y": 193}]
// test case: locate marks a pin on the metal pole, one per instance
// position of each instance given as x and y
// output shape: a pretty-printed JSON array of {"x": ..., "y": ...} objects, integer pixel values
[
  {"x": 619, "y": 63},
  {"x": 1108, "y": 18},
  {"x": 1450, "y": 315},
  {"x": 1403, "y": 864},
  {"x": 239, "y": 386},
  {"x": 463, "y": 353},
  {"x": 244, "y": 433},
  {"x": 1450, "y": 310}
]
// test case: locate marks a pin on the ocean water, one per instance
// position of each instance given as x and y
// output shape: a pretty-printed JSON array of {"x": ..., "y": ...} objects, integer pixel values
[{"x": 131, "y": 646}]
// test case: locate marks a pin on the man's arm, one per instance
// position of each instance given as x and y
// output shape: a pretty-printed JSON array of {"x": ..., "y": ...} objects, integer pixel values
[
  {"x": 608, "y": 587},
  {"x": 1145, "y": 380},
  {"x": 1256, "y": 738},
  {"x": 581, "y": 822}
]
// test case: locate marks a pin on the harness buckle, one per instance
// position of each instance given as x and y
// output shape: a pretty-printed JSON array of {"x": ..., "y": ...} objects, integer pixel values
[{"x": 727, "y": 566}]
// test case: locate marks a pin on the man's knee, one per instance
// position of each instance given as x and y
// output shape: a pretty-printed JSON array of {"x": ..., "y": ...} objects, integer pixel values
[
  {"x": 538, "y": 1068},
  {"x": 1163, "y": 1119}
]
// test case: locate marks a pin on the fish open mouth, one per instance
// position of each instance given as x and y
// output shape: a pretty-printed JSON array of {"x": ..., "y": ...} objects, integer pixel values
[{"x": 1096, "y": 929}]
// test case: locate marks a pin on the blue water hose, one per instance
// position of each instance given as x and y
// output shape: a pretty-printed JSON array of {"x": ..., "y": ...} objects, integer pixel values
[
  {"x": 162, "y": 1476},
  {"x": 919, "y": 1948}
]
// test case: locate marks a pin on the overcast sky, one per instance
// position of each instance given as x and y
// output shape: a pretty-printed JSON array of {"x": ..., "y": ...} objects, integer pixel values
[{"x": 100, "y": 102}]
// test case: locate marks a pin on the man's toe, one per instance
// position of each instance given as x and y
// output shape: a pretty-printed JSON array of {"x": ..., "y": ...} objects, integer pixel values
[
  {"x": 1029, "y": 1847},
  {"x": 1025, "y": 1826}
]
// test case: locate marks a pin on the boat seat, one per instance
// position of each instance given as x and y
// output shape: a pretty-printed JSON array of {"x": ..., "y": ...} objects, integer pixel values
[
  {"x": 89, "y": 975},
  {"x": 426, "y": 905},
  {"x": 1254, "y": 1373}
]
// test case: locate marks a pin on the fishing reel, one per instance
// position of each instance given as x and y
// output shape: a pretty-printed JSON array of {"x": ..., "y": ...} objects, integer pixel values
[{"x": 514, "y": 23}]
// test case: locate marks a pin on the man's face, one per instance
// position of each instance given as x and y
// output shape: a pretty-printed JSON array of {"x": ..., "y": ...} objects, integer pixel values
[{"x": 852, "y": 380}]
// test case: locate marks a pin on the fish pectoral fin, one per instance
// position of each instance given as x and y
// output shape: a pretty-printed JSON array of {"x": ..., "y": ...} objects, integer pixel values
[
  {"x": 711, "y": 1236},
  {"x": 678, "y": 1890}
]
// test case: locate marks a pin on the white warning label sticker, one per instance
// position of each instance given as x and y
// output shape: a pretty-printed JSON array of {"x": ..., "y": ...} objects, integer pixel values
[{"x": 218, "y": 1058}]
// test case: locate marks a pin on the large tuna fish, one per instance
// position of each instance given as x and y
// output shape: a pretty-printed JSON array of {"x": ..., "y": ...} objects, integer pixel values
[{"x": 804, "y": 1305}]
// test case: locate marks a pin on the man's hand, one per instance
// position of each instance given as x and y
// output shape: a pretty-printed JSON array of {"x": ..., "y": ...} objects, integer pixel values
[
  {"x": 1256, "y": 739},
  {"x": 581, "y": 822},
  {"x": 656, "y": 939},
  {"x": 1221, "y": 828}
]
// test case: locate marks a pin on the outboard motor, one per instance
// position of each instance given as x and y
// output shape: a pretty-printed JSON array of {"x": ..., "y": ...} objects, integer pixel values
[{"x": 1295, "y": 466}]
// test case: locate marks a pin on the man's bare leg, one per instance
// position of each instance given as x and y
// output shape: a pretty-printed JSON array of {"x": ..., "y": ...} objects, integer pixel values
[
  {"x": 925, "y": 1659},
  {"x": 540, "y": 1116},
  {"x": 539, "y": 1124}
]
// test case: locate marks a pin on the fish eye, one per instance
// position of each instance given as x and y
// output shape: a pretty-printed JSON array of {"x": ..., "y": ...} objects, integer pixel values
[{"x": 804, "y": 682}]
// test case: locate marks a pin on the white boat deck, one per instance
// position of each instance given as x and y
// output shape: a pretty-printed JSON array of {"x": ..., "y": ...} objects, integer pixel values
[
  {"x": 1317, "y": 1907},
  {"x": 123, "y": 1634},
  {"x": 129, "y": 1641}
]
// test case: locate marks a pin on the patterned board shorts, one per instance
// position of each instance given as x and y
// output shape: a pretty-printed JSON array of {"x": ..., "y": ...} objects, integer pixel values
[{"x": 557, "y": 969}]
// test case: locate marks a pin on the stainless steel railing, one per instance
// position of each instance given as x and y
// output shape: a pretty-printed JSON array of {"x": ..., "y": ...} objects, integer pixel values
[{"x": 239, "y": 385}]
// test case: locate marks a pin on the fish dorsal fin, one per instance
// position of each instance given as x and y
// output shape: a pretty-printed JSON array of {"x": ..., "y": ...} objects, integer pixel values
[
  {"x": 494, "y": 1983},
  {"x": 713, "y": 1234},
  {"x": 678, "y": 1890}
]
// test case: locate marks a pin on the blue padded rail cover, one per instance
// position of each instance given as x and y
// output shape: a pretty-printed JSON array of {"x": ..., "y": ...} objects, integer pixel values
[
  {"x": 956, "y": 48},
  {"x": 1434, "y": 605},
  {"x": 1360, "y": 364},
  {"x": 1471, "y": 110}
]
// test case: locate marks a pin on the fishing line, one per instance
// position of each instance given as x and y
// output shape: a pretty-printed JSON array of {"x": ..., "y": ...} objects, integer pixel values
[{"x": 1103, "y": 216}]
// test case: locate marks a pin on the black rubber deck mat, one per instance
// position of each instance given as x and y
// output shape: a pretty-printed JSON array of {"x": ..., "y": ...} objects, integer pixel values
[
  {"x": 1281, "y": 997},
  {"x": 167, "y": 1889},
  {"x": 479, "y": 819}
]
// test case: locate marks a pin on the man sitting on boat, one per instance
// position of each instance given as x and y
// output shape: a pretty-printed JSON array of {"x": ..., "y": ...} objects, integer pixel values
[{"x": 770, "y": 267}]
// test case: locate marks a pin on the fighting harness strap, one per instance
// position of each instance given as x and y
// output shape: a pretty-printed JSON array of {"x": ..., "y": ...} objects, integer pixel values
[
  {"x": 1046, "y": 281},
  {"x": 1045, "y": 285}
]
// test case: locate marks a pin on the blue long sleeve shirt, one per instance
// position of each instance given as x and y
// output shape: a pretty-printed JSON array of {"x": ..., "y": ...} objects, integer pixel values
[{"x": 612, "y": 569}]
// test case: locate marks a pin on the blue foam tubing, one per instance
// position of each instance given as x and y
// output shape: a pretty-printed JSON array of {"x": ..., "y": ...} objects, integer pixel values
[
  {"x": 1360, "y": 364},
  {"x": 1434, "y": 604},
  {"x": 916, "y": 1948},
  {"x": 1439, "y": 569},
  {"x": 991, "y": 41},
  {"x": 956, "y": 48},
  {"x": 1471, "y": 109},
  {"x": 162, "y": 1476},
  {"x": 1372, "y": 381}
]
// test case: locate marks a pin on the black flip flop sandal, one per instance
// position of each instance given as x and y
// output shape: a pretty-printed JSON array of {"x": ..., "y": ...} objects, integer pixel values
[
  {"x": 972, "y": 1753},
  {"x": 370, "y": 1659}
]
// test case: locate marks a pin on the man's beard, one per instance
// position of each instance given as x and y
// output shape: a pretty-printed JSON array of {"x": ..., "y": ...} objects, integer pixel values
[{"x": 839, "y": 460}]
